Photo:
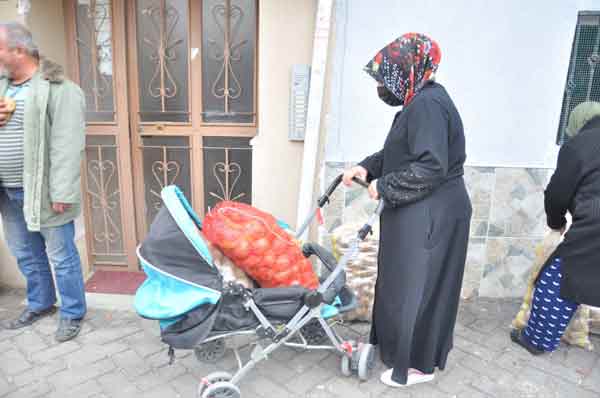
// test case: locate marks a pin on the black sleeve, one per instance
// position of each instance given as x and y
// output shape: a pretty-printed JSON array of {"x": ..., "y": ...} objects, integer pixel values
[
  {"x": 562, "y": 187},
  {"x": 374, "y": 165},
  {"x": 428, "y": 143}
]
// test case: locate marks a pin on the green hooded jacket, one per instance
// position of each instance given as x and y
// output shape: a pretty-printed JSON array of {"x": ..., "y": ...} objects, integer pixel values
[{"x": 54, "y": 141}]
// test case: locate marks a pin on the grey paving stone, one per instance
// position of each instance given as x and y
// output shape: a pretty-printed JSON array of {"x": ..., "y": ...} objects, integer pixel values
[
  {"x": 56, "y": 351},
  {"x": 86, "y": 389},
  {"x": 456, "y": 380},
  {"x": 583, "y": 361},
  {"x": 70, "y": 377},
  {"x": 131, "y": 363},
  {"x": 345, "y": 387},
  {"x": 161, "y": 392},
  {"x": 276, "y": 371},
  {"x": 91, "y": 353},
  {"x": 263, "y": 387},
  {"x": 592, "y": 381},
  {"x": 109, "y": 334},
  {"x": 319, "y": 391},
  {"x": 120, "y": 355},
  {"x": 30, "y": 341},
  {"x": 305, "y": 382},
  {"x": 47, "y": 326},
  {"x": 6, "y": 345},
  {"x": 117, "y": 385},
  {"x": 144, "y": 343},
  {"x": 472, "y": 347},
  {"x": 5, "y": 386},
  {"x": 200, "y": 369},
  {"x": 185, "y": 385},
  {"x": 158, "y": 377},
  {"x": 12, "y": 362},
  {"x": 501, "y": 385},
  {"x": 39, "y": 372},
  {"x": 33, "y": 390},
  {"x": 303, "y": 361},
  {"x": 6, "y": 334}
]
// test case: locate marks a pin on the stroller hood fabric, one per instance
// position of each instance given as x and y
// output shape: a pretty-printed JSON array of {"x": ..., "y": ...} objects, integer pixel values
[{"x": 183, "y": 287}]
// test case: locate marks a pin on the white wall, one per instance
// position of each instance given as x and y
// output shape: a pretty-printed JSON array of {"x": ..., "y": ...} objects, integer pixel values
[
  {"x": 46, "y": 21},
  {"x": 286, "y": 31},
  {"x": 503, "y": 62}
]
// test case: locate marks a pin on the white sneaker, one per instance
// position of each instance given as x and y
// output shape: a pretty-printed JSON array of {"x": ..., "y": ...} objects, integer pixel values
[{"x": 413, "y": 378}]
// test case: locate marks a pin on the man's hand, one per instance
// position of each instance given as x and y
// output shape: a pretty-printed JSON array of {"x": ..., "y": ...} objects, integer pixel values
[
  {"x": 356, "y": 171},
  {"x": 373, "y": 190},
  {"x": 4, "y": 112},
  {"x": 60, "y": 207}
]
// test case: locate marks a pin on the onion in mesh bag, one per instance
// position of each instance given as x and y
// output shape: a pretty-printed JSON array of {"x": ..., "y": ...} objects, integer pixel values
[{"x": 255, "y": 242}]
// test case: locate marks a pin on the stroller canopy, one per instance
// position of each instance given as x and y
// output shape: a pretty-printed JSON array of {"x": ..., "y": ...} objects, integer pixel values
[{"x": 179, "y": 267}]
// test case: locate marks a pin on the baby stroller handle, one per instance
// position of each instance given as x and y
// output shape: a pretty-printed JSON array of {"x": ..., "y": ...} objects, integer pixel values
[{"x": 324, "y": 199}]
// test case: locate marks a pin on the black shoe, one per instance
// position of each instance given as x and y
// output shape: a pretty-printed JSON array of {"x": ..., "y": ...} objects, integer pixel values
[
  {"x": 516, "y": 335},
  {"x": 67, "y": 329},
  {"x": 28, "y": 317}
]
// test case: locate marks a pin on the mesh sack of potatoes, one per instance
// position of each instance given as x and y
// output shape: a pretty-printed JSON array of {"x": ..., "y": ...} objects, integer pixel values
[
  {"x": 577, "y": 333},
  {"x": 361, "y": 272},
  {"x": 595, "y": 320}
]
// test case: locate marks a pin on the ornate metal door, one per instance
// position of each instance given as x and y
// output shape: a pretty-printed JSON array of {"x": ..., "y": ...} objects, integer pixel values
[
  {"x": 192, "y": 90},
  {"x": 171, "y": 99}
]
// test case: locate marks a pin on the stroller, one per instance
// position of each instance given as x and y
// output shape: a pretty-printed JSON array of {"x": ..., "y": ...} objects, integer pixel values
[{"x": 197, "y": 310}]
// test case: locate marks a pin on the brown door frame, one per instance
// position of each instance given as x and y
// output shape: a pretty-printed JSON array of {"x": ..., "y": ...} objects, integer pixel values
[
  {"x": 119, "y": 129},
  {"x": 195, "y": 129},
  {"x": 129, "y": 131}
]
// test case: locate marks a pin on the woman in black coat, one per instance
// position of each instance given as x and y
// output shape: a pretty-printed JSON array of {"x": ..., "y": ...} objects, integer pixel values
[
  {"x": 425, "y": 224},
  {"x": 571, "y": 276}
]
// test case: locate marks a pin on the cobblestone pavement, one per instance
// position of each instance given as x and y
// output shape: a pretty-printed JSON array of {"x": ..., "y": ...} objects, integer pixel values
[{"x": 120, "y": 355}]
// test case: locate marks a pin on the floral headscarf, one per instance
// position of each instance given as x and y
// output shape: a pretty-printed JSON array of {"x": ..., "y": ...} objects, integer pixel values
[{"x": 405, "y": 65}]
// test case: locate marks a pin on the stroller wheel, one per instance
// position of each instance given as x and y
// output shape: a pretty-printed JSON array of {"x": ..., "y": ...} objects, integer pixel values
[
  {"x": 221, "y": 389},
  {"x": 313, "y": 332},
  {"x": 366, "y": 361},
  {"x": 346, "y": 366},
  {"x": 211, "y": 379},
  {"x": 211, "y": 351}
]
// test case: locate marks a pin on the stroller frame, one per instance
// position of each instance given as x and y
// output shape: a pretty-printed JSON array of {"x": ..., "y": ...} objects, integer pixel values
[
  {"x": 314, "y": 305},
  {"x": 354, "y": 358}
]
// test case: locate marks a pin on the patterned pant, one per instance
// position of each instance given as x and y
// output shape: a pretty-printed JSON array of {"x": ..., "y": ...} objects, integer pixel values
[{"x": 550, "y": 314}]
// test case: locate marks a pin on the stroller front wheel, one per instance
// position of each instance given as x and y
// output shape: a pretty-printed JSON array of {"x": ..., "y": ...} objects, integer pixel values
[
  {"x": 211, "y": 379},
  {"x": 221, "y": 389},
  {"x": 210, "y": 351},
  {"x": 346, "y": 366},
  {"x": 366, "y": 361}
]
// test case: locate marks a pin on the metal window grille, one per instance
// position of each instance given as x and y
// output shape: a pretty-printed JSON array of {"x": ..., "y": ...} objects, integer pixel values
[{"x": 583, "y": 78}]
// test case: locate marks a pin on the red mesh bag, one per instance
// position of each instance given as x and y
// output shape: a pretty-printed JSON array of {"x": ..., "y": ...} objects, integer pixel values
[{"x": 254, "y": 241}]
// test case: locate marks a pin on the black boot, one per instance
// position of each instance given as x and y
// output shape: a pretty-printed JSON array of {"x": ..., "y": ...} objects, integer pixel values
[{"x": 516, "y": 335}]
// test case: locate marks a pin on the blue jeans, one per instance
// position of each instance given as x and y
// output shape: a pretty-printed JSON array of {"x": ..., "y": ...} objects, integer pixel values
[{"x": 35, "y": 251}]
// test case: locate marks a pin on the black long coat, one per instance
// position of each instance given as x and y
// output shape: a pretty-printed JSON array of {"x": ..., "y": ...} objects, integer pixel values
[
  {"x": 424, "y": 233},
  {"x": 575, "y": 187}
]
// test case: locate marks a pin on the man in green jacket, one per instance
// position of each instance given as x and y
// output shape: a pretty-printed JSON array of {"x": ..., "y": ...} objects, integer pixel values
[{"x": 42, "y": 132}]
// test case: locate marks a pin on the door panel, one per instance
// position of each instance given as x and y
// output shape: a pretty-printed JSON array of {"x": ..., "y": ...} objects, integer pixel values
[
  {"x": 170, "y": 87},
  {"x": 95, "y": 32}
]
